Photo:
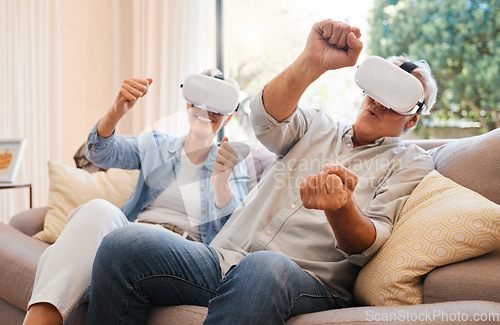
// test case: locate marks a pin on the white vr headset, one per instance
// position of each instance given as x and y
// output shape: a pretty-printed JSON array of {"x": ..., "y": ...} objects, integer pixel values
[
  {"x": 392, "y": 86},
  {"x": 211, "y": 93}
]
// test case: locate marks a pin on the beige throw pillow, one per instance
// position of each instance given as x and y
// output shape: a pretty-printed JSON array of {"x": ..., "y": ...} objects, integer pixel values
[
  {"x": 70, "y": 187},
  {"x": 441, "y": 223}
]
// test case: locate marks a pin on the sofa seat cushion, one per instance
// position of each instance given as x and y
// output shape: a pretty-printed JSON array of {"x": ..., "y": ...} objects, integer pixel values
[
  {"x": 177, "y": 315},
  {"x": 11, "y": 314},
  {"x": 474, "y": 279},
  {"x": 432, "y": 314},
  {"x": 20, "y": 255},
  {"x": 463, "y": 312},
  {"x": 441, "y": 223}
]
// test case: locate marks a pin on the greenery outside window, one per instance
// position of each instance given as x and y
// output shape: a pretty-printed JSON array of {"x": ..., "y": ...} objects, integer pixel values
[{"x": 457, "y": 38}]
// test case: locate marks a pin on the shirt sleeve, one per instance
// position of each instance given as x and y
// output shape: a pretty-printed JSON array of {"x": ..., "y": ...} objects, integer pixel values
[
  {"x": 112, "y": 152},
  {"x": 279, "y": 136},
  {"x": 408, "y": 168}
]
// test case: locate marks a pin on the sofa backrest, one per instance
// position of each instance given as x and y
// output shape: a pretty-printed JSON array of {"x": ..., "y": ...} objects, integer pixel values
[
  {"x": 472, "y": 162},
  {"x": 257, "y": 161}
]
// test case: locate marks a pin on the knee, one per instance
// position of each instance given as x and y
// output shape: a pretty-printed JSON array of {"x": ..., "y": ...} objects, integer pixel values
[
  {"x": 98, "y": 212},
  {"x": 266, "y": 260},
  {"x": 126, "y": 244},
  {"x": 100, "y": 205},
  {"x": 111, "y": 256},
  {"x": 114, "y": 246},
  {"x": 271, "y": 267}
]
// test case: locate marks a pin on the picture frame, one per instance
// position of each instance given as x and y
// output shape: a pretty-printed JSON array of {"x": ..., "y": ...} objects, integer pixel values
[{"x": 11, "y": 154}]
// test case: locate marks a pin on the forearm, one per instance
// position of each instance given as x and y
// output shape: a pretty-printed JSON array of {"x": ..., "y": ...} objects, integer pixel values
[
  {"x": 354, "y": 231},
  {"x": 281, "y": 95},
  {"x": 107, "y": 124}
]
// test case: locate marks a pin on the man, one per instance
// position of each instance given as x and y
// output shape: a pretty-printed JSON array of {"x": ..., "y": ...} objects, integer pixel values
[{"x": 297, "y": 242}]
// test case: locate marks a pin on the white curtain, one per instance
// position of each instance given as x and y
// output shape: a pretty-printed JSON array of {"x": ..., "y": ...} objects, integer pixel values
[
  {"x": 162, "y": 39},
  {"x": 29, "y": 93},
  {"x": 170, "y": 39}
]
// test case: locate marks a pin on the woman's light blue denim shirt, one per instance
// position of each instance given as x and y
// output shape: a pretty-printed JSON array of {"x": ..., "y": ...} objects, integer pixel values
[{"x": 143, "y": 153}]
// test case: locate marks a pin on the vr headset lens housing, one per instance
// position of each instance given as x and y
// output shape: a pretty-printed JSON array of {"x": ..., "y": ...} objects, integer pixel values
[
  {"x": 390, "y": 85},
  {"x": 210, "y": 93}
]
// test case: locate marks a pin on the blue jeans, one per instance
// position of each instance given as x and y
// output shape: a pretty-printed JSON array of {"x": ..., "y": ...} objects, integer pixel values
[{"x": 136, "y": 267}]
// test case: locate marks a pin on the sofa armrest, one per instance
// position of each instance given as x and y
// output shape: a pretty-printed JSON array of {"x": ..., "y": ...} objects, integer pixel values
[
  {"x": 473, "y": 279},
  {"x": 30, "y": 221},
  {"x": 19, "y": 256}
]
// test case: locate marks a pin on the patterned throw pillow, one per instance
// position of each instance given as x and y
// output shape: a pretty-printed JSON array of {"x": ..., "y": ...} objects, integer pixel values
[
  {"x": 442, "y": 222},
  {"x": 70, "y": 187}
]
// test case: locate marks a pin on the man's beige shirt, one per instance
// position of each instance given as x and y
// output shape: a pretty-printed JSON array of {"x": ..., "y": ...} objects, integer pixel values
[{"x": 272, "y": 216}]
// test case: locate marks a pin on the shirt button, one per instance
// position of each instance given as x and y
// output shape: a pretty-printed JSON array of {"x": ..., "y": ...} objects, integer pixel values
[
  {"x": 202, "y": 189},
  {"x": 349, "y": 145},
  {"x": 203, "y": 211},
  {"x": 269, "y": 232},
  {"x": 204, "y": 235},
  {"x": 292, "y": 206}
]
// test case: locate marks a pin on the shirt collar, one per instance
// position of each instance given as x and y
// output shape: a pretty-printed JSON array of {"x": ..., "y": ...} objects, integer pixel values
[
  {"x": 176, "y": 146},
  {"x": 349, "y": 131},
  {"x": 176, "y": 149}
]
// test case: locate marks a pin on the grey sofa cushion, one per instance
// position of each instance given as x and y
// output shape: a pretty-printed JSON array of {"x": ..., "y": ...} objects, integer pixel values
[
  {"x": 472, "y": 162},
  {"x": 195, "y": 315},
  {"x": 416, "y": 314},
  {"x": 257, "y": 161},
  {"x": 474, "y": 279},
  {"x": 10, "y": 314},
  {"x": 177, "y": 315},
  {"x": 412, "y": 314}
]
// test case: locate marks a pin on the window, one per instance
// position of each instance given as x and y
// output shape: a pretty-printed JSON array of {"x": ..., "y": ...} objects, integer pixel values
[{"x": 262, "y": 37}]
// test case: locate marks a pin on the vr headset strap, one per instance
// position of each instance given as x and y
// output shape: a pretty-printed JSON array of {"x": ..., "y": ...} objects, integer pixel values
[{"x": 408, "y": 66}]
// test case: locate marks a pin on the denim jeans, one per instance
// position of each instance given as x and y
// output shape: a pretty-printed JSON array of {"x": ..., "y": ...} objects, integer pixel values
[{"x": 137, "y": 267}]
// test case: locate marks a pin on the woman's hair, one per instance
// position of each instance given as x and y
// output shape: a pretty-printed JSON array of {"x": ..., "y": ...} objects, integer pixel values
[
  {"x": 424, "y": 74},
  {"x": 214, "y": 72}
]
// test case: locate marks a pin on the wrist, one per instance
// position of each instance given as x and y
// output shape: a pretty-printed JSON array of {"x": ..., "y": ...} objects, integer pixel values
[
  {"x": 107, "y": 124},
  {"x": 112, "y": 115},
  {"x": 347, "y": 209},
  {"x": 220, "y": 183},
  {"x": 223, "y": 194},
  {"x": 348, "y": 206},
  {"x": 307, "y": 69}
]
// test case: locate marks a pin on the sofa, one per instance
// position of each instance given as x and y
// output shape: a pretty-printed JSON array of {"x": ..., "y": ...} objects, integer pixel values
[{"x": 462, "y": 292}]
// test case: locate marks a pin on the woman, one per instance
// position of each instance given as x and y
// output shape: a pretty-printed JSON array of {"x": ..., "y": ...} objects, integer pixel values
[{"x": 186, "y": 185}]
